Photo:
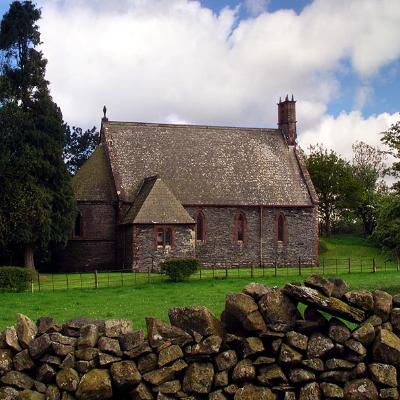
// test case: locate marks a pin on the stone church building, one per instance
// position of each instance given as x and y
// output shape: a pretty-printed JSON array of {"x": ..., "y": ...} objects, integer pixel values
[{"x": 227, "y": 195}]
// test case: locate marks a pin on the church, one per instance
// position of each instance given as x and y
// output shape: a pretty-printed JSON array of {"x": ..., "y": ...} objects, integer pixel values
[{"x": 230, "y": 196}]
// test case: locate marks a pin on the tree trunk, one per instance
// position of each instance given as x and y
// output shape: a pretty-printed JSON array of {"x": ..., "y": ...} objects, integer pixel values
[
  {"x": 28, "y": 257},
  {"x": 327, "y": 225}
]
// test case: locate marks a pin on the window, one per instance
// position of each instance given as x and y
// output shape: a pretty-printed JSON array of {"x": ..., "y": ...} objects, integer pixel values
[
  {"x": 78, "y": 225},
  {"x": 164, "y": 236},
  {"x": 160, "y": 237},
  {"x": 240, "y": 228},
  {"x": 168, "y": 236},
  {"x": 200, "y": 226},
  {"x": 281, "y": 228}
]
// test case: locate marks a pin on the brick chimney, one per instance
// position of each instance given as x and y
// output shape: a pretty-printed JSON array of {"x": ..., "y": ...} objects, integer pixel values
[{"x": 287, "y": 119}]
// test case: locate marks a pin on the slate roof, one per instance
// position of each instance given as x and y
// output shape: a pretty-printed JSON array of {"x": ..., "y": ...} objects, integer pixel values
[
  {"x": 208, "y": 165},
  {"x": 94, "y": 181},
  {"x": 155, "y": 204}
]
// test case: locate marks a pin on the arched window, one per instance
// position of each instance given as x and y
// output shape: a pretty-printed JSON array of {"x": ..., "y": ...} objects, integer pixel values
[
  {"x": 240, "y": 230},
  {"x": 78, "y": 225},
  {"x": 281, "y": 228},
  {"x": 200, "y": 226}
]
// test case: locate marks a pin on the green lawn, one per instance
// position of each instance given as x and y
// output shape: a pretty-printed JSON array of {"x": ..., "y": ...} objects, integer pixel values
[
  {"x": 136, "y": 300},
  {"x": 143, "y": 300}
]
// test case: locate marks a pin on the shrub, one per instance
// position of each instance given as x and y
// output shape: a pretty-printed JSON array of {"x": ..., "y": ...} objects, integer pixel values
[
  {"x": 179, "y": 269},
  {"x": 14, "y": 278},
  {"x": 323, "y": 247}
]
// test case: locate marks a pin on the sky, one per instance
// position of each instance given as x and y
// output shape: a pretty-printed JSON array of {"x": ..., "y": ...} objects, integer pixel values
[{"x": 227, "y": 62}]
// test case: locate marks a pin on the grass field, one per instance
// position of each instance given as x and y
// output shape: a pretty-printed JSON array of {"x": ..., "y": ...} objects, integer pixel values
[{"x": 137, "y": 301}]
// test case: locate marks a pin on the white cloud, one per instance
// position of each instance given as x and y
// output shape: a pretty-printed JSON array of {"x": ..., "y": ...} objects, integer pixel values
[
  {"x": 341, "y": 132},
  {"x": 174, "y": 60}
]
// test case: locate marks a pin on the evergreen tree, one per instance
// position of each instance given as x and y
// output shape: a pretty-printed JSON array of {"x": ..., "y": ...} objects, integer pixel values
[
  {"x": 79, "y": 146},
  {"x": 36, "y": 202}
]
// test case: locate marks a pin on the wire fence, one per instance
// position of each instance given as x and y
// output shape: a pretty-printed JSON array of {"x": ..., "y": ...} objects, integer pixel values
[{"x": 221, "y": 270}]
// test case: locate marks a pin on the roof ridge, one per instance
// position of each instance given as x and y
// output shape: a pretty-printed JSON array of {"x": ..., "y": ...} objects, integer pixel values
[{"x": 135, "y": 123}]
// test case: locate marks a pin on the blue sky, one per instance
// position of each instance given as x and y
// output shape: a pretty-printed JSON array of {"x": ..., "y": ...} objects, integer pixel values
[{"x": 227, "y": 62}]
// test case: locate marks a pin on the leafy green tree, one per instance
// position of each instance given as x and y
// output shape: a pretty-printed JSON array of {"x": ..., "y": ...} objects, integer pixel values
[
  {"x": 368, "y": 167},
  {"x": 36, "y": 201},
  {"x": 387, "y": 231},
  {"x": 392, "y": 139},
  {"x": 335, "y": 184},
  {"x": 79, "y": 146}
]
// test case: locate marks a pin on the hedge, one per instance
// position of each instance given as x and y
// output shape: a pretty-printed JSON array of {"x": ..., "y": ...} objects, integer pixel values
[
  {"x": 179, "y": 269},
  {"x": 14, "y": 279}
]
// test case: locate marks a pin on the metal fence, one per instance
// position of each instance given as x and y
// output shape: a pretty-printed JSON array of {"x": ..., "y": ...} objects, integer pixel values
[{"x": 221, "y": 270}]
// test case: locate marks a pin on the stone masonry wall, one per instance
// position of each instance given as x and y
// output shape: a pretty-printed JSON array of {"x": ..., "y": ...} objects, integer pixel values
[
  {"x": 95, "y": 248},
  {"x": 148, "y": 257},
  {"x": 262, "y": 348},
  {"x": 219, "y": 246},
  {"x": 103, "y": 245}
]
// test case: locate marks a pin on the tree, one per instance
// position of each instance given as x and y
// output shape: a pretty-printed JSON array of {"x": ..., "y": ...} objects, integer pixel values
[
  {"x": 334, "y": 182},
  {"x": 392, "y": 139},
  {"x": 79, "y": 146},
  {"x": 387, "y": 231},
  {"x": 36, "y": 201},
  {"x": 368, "y": 168}
]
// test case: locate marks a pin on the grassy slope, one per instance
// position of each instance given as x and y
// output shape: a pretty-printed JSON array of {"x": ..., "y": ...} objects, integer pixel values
[
  {"x": 344, "y": 246},
  {"x": 137, "y": 302}
]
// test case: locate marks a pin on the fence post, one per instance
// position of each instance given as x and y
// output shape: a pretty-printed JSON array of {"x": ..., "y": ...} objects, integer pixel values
[
  {"x": 276, "y": 269},
  {"x": 349, "y": 265},
  {"x": 38, "y": 276},
  {"x": 226, "y": 271},
  {"x": 96, "y": 280},
  {"x": 200, "y": 271},
  {"x": 299, "y": 266},
  {"x": 148, "y": 271},
  {"x": 263, "y": 268},
  {"x": 373, "y": 265},
  {"x": 66, "y": 277}
]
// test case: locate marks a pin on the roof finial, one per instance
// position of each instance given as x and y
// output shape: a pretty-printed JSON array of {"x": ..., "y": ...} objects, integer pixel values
[
  {"x": 105, "y": 114},
  {"x": 287, "y": 98},
  {"x": 292, "y": 97},
  {"x": 280, "y": 99}
]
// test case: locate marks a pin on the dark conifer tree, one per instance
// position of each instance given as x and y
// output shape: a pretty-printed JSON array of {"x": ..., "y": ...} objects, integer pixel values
[{"x": 36, "y": 201}]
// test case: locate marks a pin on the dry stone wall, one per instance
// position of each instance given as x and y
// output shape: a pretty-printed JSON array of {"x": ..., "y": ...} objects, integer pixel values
[{"x": 345, "y": 345}]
